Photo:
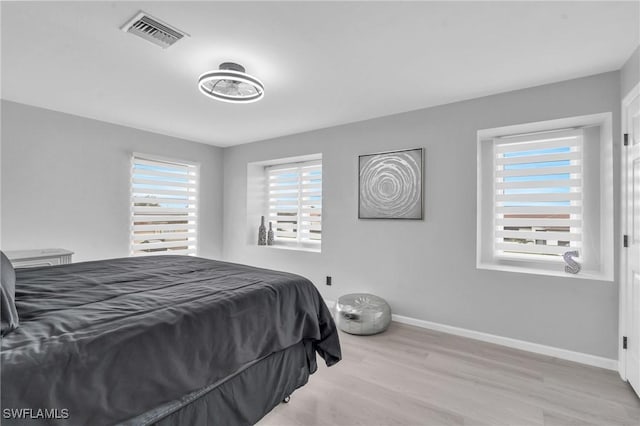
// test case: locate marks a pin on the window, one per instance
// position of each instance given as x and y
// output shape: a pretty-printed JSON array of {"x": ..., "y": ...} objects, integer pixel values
[
  {"x": 545, "y": 189},
  {"x": 294, "y": 194},
  {"x": 538, "y": 195},
  {"x": 164, "y": 198}
]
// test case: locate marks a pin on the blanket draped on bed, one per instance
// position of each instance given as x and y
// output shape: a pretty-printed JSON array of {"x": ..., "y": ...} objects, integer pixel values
[{"x": 108, "y": 340}]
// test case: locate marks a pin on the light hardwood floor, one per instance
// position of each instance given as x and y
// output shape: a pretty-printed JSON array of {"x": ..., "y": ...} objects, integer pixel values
[{"x": 413, "y": 376}]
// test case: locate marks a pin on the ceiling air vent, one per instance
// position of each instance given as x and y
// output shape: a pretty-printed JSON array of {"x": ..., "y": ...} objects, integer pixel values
[{"x": 153, "y": 30}]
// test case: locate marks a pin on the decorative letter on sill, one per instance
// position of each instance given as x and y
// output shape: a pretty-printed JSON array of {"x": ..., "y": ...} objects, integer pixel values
[{"x": 572, "y": 266}]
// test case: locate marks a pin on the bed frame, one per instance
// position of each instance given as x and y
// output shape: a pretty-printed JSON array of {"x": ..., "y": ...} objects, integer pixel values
[{"x": 236, "y": 400}]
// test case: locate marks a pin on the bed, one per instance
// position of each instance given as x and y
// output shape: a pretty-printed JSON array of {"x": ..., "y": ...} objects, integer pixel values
[{"x": 167, "y": 340}]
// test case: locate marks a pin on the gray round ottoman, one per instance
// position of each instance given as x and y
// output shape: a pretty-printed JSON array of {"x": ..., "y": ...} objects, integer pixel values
[{"x": 362, "y": 313}]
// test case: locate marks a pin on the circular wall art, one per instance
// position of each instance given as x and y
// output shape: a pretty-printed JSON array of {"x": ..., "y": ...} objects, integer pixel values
[{"x": 390, "y": 185}]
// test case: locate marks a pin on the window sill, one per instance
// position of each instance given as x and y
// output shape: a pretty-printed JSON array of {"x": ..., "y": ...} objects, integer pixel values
[
  {"x": 585, "y": 275},
  {"x": 293, "y": 248}
]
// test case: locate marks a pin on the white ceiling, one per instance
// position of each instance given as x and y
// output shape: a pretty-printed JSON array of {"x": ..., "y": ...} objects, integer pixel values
[{"x": 322, "y": 63}]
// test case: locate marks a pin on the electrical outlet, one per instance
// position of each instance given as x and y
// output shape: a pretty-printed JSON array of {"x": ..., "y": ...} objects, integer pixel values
[{"x": 328, "y": 280}]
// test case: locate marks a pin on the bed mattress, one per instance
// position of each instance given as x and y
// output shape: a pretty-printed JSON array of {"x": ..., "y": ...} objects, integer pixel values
[{"x": 102, "y": 342}]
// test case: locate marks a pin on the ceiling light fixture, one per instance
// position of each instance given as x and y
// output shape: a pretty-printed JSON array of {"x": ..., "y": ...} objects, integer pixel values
[{"x": 230, "y": 83}]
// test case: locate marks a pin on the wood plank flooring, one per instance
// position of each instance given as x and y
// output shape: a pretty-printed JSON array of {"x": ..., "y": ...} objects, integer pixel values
[{"x": 413, "y": 376}]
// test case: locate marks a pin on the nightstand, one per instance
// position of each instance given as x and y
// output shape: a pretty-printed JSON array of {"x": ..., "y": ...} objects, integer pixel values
[{"x": 43, "y": 257}]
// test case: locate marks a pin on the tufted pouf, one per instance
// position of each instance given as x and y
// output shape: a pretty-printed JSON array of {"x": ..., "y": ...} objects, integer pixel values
[{"x": 362, "y": 313}]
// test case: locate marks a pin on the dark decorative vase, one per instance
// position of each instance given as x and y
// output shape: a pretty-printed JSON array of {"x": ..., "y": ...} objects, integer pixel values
[
  {"x": 270, "y": 235},
  {"x": 262, "y": 233}
]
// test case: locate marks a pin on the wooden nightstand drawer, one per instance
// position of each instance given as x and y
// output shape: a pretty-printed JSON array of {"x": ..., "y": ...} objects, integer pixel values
[{"x": 43, "y": 257}]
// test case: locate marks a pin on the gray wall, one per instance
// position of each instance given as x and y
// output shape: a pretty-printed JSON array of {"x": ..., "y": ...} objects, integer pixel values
[
  {"x": 426, "y": 269},
  {"x": 65, "y": 182},
  {"x": 630, "y": 73}
]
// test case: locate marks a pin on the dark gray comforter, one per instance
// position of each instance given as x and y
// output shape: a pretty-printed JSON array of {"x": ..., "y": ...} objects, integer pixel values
[{"x": 111, "y": 339}]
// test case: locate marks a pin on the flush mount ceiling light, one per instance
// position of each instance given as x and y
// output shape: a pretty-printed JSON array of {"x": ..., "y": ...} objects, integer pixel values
[{"x": 231, "y": 84}]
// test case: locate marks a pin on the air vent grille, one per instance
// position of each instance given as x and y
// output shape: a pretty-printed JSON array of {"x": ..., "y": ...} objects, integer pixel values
[{"x": 153, "y": 30}]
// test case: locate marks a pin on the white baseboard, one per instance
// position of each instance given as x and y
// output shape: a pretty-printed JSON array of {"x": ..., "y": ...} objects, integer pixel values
[{"x": 582, "y": 358}]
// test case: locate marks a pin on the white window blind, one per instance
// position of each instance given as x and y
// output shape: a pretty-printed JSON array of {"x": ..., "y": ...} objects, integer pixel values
[
  {"x": 295, "y": 202},
  {"x": 164, "y": 205},
  {"x": 538, "y": 195}
]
